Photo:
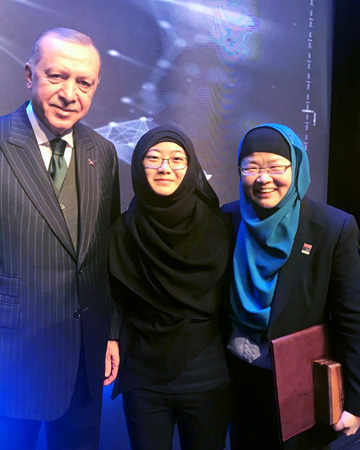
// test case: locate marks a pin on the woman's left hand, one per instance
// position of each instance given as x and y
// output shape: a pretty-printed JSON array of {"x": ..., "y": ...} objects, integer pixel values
[{"x": 347, "y": 422}]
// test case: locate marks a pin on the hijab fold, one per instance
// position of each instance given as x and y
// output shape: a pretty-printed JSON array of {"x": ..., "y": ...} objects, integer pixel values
[{"x": 264, "y": 244}]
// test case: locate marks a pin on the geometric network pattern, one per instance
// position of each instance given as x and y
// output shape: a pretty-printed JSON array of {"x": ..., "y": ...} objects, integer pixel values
[{"x": 125, "y": 135}]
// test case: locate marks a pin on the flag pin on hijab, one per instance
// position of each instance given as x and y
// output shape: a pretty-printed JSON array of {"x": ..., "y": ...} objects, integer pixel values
[{"x": 306, "y": 249}]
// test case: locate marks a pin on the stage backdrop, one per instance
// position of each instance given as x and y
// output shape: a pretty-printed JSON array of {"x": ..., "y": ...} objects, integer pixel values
[{"x": 214, "y": 68}]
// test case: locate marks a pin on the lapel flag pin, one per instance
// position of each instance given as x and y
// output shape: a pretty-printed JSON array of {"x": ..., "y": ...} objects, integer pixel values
[
  {"x": 91, "y": 162},
  {"x": 306, "y": 249}
]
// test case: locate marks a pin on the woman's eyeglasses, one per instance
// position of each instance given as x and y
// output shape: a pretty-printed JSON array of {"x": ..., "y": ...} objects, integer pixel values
[
  {"x": 271, "y": 170},
  {"x": 175, "y": 163}
]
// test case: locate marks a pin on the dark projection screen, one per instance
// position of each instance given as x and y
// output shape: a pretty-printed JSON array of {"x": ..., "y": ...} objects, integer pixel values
[{"x": 214, "y": 68}]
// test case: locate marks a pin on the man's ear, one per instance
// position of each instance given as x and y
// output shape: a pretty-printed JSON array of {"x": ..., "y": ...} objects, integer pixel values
[{"x": 28, "y": 75}]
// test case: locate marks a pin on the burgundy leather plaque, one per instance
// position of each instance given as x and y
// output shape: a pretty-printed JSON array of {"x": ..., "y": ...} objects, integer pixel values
[{"x": 293, "y": 357}]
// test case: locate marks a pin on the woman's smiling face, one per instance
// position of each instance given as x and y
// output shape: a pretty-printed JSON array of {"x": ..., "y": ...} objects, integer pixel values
[
  {"x": 265, "y": 190},
  {"x": 165, "y": 180}
]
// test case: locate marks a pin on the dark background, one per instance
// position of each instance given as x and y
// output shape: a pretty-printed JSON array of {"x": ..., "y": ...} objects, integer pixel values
[{"x": 344, "y": 175}]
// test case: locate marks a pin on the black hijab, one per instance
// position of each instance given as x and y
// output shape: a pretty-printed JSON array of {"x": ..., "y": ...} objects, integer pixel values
[{"x": 172, "y": 250}]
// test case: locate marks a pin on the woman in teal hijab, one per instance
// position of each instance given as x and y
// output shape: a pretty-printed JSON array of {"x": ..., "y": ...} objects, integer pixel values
[{"x": 295, "y": 264}]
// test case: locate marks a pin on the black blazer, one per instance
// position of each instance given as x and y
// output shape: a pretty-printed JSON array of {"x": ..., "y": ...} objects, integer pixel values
[
  {"x": 323, "y": 286},
  {"x": 50, "y": 294}
]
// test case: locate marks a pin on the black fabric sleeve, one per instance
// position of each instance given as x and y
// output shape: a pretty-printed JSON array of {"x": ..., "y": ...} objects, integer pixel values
[{"x": 344, "y": 296}]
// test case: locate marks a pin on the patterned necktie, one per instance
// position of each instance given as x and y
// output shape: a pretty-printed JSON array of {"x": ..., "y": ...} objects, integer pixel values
[{"x": 58, "y": 167}]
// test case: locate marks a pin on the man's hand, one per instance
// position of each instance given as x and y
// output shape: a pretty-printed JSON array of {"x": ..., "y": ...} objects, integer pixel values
[
  {"x": 112, "y": 361},
  {"x": 347, "y": 422}
]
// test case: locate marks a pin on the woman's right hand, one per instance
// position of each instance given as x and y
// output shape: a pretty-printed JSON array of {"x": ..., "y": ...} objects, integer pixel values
[{"x": 348, "y": 423}]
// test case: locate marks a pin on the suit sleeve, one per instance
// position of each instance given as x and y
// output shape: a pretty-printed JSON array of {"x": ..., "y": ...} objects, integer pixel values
[
  {"x": 344, "y": 293},
  {"x": 114, "y": 214},
  {"x": 115, "y": 200}
]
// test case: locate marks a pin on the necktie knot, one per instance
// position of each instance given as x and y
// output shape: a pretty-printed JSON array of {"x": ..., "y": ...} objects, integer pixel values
[{"x": 58, "y": 146}]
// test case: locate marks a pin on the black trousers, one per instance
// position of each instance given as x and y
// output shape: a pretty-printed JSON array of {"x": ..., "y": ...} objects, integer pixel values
[
  {"x": 202, "y": 419},
  {"x": 78, "y": 428},
  {"x": 254, "y": 422}
]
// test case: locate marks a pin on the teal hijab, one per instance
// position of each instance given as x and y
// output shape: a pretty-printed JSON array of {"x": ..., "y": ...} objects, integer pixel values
[{"x": 263, "y": 246}]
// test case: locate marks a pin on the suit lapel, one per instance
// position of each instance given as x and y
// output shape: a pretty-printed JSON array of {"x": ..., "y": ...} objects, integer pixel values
[
  {"x": 24, "y": 157},
  {"x": 89, "y": 190},
  {"x": 296, "y": 266}
]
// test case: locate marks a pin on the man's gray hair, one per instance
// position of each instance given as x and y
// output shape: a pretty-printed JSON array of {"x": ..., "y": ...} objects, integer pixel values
[{"x": 65, "y": 34}]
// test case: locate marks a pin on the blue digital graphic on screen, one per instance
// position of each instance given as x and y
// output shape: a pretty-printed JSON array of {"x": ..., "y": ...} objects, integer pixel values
[{"x": 214, "y": 68}]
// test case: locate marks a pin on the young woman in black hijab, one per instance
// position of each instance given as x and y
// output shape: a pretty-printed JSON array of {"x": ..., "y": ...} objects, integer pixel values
[{"x": 168, "y": 256}]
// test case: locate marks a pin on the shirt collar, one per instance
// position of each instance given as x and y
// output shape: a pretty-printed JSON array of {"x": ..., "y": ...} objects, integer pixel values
[{"x": 42, "y": 133}]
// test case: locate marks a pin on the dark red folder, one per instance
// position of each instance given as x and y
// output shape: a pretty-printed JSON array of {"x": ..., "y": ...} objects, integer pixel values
[{"x": 293, "y": 357}]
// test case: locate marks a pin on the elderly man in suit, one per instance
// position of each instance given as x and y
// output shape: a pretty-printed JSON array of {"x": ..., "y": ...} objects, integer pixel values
[{"x": 59, "y": 192}]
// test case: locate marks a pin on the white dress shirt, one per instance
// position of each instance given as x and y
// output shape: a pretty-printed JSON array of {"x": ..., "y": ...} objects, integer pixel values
[{"x": 44, "y": 136}]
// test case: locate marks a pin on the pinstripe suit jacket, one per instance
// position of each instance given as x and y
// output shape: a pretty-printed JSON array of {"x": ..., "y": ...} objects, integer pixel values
[{"x": 43, "y": 281}]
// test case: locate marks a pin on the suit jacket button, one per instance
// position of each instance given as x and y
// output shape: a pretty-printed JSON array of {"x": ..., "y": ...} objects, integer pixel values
[
  {"x": 77, "y": 314},
  {"x": 62, "y": 206}
]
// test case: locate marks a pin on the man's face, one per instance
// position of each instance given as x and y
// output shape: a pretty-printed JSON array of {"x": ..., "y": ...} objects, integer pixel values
[{"x": 63, "y": 83}]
